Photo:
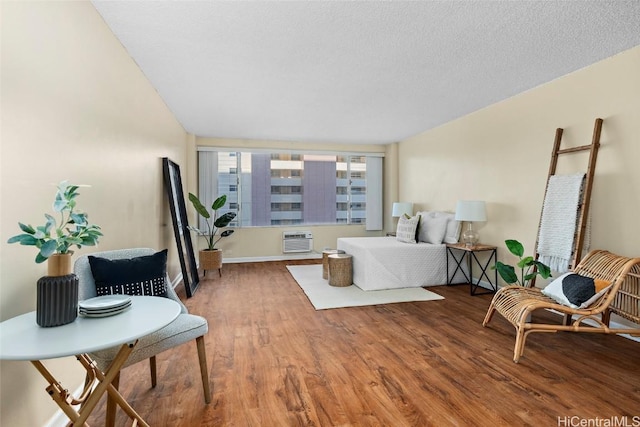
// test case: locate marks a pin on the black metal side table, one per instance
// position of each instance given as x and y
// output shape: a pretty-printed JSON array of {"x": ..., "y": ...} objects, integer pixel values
[{"x": 470, "y": 253}]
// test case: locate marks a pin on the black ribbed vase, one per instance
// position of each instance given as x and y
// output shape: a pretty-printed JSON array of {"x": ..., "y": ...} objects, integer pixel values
[{"x": 57, "y": 300}]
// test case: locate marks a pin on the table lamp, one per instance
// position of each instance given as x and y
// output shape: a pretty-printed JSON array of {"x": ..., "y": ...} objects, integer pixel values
[{"x": 470, "y": 211}]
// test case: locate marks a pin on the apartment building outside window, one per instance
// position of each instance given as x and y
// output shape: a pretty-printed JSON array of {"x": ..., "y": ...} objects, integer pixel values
[{"x": 283, "y": 189}]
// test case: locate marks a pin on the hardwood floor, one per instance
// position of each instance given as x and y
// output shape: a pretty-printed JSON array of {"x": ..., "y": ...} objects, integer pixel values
[{"x": 275, "y": 361}]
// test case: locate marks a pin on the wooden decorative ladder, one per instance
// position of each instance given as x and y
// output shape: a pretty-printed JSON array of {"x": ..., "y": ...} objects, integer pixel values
[{"x": 581, "y": 228}]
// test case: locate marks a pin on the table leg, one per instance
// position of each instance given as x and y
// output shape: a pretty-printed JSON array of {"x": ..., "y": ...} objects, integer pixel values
[
  {"x": 470, "y": 267},
  {"x": 105, "y": 379},
  {"x": 483, "y": 274},
  {"x": 458, "y": 266},
  {"x": 110, "y": 417},
  {"x": 57, "y": 392}
]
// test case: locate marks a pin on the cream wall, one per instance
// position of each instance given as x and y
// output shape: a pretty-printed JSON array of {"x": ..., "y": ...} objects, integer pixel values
[
  {"x": 501, "y": 154},
  {"x": 74, "y": 106},
  {"x": 243, "y": 244}
]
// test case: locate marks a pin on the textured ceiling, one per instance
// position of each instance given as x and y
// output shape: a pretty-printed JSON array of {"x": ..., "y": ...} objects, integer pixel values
[{"x": 357, "y": 71}]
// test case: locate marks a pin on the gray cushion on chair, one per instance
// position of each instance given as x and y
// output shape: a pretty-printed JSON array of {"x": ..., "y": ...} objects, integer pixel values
[{"x": 185, "y": 328}]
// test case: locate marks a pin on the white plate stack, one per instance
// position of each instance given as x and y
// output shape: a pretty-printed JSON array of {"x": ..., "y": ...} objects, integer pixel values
[{"x": 104, "y": 306}]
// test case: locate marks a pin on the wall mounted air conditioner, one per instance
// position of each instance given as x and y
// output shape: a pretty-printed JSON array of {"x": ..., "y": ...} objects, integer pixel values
[{"x": 297, "y": 241}]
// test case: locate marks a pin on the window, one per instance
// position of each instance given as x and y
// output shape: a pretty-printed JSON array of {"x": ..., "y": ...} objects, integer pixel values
[{"x": 281, "y": 189}]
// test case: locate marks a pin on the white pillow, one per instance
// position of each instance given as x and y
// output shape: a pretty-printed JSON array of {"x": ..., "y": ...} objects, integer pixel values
[
  {"x": 433, "y": 228},
  {"x": 576, "y": 291},
  {"x": 453, "y": 229},
  {"x": 452, "y": 233},
  {"x": 406, "y": 230}
]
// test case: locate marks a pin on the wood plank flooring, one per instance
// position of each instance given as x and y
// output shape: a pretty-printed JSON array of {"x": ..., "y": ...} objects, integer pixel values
[{"x": 275, "y": 361}]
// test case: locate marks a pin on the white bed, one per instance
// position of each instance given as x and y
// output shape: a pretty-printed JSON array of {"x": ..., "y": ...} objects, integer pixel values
[{"x": 386, "y": 263}]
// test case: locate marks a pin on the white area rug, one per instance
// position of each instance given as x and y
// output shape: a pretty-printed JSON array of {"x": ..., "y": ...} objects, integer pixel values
[{"x": 324, "y": 296}]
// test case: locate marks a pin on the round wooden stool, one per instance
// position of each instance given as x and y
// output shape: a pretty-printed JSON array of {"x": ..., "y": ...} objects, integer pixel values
[
  {"x": 340, "y": 270},
  {"x": 325, "y": 261}
]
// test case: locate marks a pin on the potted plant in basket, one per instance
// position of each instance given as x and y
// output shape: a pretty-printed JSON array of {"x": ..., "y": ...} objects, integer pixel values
[
  {"x": 211, "y": 257},
  {"x": 57, "y": 294},
  {"x": 529, "y": 267}
]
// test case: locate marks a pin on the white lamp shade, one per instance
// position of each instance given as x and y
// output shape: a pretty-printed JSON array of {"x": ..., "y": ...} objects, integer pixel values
[
  {"x": 471, "y": 210},
  {"x": 401, "y": 208}
]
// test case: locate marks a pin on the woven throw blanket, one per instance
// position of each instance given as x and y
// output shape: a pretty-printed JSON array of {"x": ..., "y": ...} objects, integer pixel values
[{"x": 559, "y": 220}]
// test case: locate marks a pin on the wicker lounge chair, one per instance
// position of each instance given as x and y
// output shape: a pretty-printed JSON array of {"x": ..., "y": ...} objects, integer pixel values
[{"x": 516, "y": 303}]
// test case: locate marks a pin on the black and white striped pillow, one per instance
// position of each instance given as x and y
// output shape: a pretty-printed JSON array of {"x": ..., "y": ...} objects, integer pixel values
[{"x": 144, "y": 275}]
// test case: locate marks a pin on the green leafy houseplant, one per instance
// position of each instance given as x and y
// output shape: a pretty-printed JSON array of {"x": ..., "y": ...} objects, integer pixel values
[
  {"x": 213, "y": 222},
  {"x": 529, "y": 267},
  {"x": 59, "y": 237}
]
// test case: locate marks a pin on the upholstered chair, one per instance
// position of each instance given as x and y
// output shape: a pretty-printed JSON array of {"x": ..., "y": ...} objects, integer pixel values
[{"x": 186, "y": 327}]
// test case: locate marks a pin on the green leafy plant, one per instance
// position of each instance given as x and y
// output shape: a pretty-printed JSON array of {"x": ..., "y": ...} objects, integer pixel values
[
  {"x": 58, "y": 237},
  {"x": 213, "y": 222},
  {"x": 529, "y": 267}
]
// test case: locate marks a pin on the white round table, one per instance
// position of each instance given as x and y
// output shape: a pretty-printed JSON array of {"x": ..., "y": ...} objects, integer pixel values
[{"x": 22, "y": 339}]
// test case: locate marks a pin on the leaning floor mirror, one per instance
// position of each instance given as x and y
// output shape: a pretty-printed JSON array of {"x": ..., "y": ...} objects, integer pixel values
[{"x": 173, "y": 186}]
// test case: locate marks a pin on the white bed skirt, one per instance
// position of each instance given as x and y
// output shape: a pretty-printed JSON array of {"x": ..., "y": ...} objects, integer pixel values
[{"x": 385, "y": 263}]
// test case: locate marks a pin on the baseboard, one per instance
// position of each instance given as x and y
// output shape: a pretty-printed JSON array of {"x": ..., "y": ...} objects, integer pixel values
[
  {"x": 612, "y": 323},
  {"x": 59, "y": 419},
  {"x": 283, "y": 257},
  {"x": 175, "y": 282},
  {"x": 483, "y": 284}
]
